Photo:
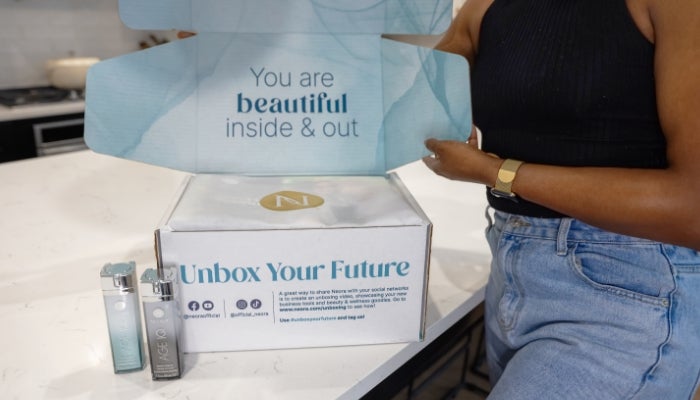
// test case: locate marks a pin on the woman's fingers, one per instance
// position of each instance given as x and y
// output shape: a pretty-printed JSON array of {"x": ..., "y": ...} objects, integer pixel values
[
  {"x": 431, "y": 144},
  {"x": 473, "y": 138},
  {"x": 184, "y": 34}
]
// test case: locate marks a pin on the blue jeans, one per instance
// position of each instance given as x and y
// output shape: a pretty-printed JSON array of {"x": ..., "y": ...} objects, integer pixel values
[{"x": 575, "y": 312}]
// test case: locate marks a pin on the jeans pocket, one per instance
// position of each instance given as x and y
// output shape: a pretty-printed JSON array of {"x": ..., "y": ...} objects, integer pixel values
[{"x": 636, "y": 271}]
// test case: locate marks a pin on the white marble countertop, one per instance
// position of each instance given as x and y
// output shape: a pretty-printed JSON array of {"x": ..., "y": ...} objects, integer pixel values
[
  {"x": 65, "y": 216},
  {"x": 41, "y": 110}
]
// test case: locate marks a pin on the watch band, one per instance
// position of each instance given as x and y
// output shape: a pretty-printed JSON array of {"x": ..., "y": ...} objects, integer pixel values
[{"x": 504, "y": 181}]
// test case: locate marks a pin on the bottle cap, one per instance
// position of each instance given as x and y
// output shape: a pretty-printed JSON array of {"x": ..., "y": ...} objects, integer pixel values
[
  {"x": 157, "y": 286},
  {"x": 119, "y": 276}
]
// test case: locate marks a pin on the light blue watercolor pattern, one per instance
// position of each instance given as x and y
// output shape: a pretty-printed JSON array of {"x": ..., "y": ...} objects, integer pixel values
[
  {"x": 290, "y": 16},
  {"x": 187, "y": 105}
]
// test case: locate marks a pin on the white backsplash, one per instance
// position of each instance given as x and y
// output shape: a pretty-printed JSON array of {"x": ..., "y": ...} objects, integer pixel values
[{"x": 33, "y": 31}]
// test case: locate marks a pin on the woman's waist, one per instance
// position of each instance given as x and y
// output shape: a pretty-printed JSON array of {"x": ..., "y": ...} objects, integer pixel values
[{"x": 558, "y": 228}]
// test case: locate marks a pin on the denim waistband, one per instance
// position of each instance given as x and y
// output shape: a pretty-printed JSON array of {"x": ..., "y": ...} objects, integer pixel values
[
  {"x": 567, "y": 230},
  {"x": 556, "y": 228}
]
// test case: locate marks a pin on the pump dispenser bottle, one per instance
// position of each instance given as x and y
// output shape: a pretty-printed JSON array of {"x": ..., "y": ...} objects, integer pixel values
[
  {"x": 162, "y": 321},
  {"x": 120, "y": 291}
]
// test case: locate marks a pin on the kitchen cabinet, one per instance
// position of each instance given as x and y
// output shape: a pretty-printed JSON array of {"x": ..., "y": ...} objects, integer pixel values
[{"x": 35, "y": 137}]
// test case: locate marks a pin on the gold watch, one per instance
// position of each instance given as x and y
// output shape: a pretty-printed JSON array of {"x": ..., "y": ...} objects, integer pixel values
[{"x": 504, "y": 181}]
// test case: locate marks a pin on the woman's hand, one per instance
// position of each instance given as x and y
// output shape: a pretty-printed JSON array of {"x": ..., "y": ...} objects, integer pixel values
[{"x": 462, "y": 161}]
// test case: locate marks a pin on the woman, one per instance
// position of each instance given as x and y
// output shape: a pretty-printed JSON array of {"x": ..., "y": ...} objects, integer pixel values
[{"x": 590, "y": 117}]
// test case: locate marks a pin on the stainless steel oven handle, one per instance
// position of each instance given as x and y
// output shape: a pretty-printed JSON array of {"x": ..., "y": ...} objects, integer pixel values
[
  {"x": 59, "y": 146},
  {"x": 62, "y": 146}
]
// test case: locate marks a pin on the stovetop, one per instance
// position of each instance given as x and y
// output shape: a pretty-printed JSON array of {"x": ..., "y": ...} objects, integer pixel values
[{"x": 35, "y": 95}]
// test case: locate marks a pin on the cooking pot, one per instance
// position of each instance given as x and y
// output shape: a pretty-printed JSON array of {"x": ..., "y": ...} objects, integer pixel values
[{"x": 69, "y": 73}]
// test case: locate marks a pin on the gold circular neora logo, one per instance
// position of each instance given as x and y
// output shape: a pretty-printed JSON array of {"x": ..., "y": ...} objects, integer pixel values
[{"x": 288, "y": 200}]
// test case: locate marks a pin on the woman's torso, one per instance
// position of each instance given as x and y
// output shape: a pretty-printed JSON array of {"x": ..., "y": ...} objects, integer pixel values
[{"x": 565, "y": 83}]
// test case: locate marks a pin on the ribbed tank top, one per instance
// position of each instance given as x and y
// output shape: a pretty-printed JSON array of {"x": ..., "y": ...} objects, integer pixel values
[{"x": 565, "y": 83}]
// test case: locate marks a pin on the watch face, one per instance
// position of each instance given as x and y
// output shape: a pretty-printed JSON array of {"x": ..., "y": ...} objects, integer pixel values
[{"x": 506, "y": 176}]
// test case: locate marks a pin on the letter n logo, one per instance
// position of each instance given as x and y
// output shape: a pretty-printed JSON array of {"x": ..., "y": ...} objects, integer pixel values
[{"x": 289, "y": 201}]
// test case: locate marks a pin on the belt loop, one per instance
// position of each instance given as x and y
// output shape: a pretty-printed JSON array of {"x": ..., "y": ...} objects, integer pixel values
[{"x": 562, "y": 234}]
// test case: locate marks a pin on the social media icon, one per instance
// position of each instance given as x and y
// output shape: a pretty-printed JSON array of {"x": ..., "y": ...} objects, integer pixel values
[
  {"x": 256, "y": 303},
  {"x": 241, "y": 304},
  {"x": 208, "y": 305},
  {"x": 193, "y": 305}
]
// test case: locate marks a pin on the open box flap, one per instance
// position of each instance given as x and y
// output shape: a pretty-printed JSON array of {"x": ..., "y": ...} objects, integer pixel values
[
  {"x": 267, "y": 104},
  {"x": 272, "y": 87},
  {"x": 426, "y": 94},
  {"x": 285, "y": 16}
]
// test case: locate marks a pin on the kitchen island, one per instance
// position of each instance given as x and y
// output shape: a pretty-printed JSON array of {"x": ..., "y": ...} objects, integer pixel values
[{"x": 65, "y": 216}]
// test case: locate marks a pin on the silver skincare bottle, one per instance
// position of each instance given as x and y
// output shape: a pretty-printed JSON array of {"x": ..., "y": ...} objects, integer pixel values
[
  {"x": 162, "y": 326},
  {"x": 121, "y": 298},
  {"x": 162, "y": 322}
]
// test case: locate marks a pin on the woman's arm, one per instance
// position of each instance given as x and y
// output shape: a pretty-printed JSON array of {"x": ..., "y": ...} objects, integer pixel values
[
  {"x": 663, "y": 204},
  {"x": 463, "y": 34}
]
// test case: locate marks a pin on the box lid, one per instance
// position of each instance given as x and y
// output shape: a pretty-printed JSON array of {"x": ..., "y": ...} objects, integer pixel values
[
  {"x": 227, "y": 202},
  {"x": 300, "y": 96},
  {"x": 285, "y": 16}
]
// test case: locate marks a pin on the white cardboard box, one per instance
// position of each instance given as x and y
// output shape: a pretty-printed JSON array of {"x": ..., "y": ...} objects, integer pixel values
[{"x": 332, "y": 261}]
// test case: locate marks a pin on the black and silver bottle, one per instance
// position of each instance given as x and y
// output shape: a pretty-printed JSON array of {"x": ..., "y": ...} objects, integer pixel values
[{"x": 162, "y": 322}]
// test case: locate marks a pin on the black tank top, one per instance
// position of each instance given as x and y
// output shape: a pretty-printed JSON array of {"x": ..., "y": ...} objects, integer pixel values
[{"x": 565, "y": 82}]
